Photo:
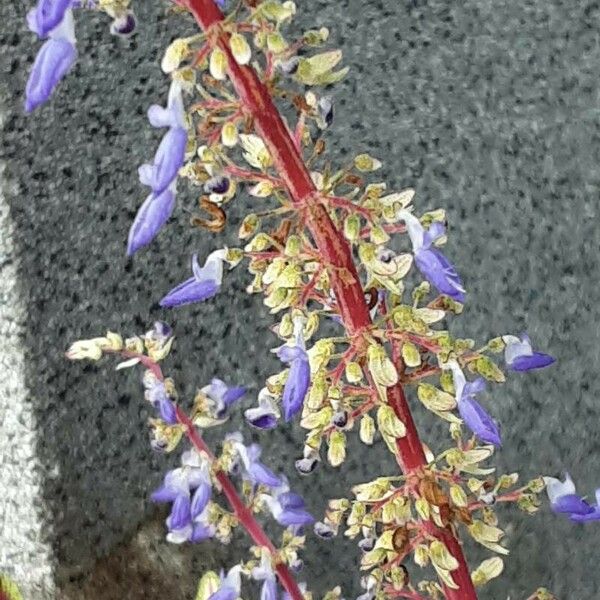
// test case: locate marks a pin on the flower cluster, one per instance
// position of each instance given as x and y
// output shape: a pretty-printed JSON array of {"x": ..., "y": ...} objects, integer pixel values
[{"x": 52, "y": 20}]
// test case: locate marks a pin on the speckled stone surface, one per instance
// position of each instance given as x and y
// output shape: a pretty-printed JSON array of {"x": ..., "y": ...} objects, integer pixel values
[{"x": 490, "y": 109}]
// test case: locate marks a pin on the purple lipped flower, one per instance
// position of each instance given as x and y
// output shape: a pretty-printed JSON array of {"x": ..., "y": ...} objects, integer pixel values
[
  {"x": 124, "y": 25},
  {"x": 472, "y": 413},
  {"x": 564, "y": 499},
  {"x": 222, "y": 396},
  {"x": 434, "y": 266},
  {"x": 298, "y": 380},
  {"x": 253, "y": 470},
  {"x": 51, "y": 64},
  {"x": 287, "y": 508},
  {"x": 231, "y": 585},
  {"x": 47, "y": 15},
  {"x": 161, "y": 332},
  {"x": 173, "y": 115},
  {"x": 150, "y": 218},
  {"x": 325, "y": 112},
  {"x": 519, "y": 354},
  {"x": 205, "y": 283},
  {"x": 156, "y": 394},
  {"x": 266, "y": 414},
  {"x": 266, "y": 574},
  {"x": 168, "y": 160},
  {"x": 217, "y": 185}
]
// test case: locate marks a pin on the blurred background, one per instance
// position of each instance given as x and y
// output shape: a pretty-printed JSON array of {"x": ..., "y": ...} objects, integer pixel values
[{"x": 491, "y": 110}]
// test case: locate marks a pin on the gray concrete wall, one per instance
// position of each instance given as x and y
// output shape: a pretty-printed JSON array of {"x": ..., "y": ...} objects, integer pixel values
[{"x": 490, "y": 109}]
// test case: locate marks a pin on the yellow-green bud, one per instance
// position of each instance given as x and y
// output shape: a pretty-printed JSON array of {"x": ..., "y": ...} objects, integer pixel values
[{"x": 366, "y": 163}]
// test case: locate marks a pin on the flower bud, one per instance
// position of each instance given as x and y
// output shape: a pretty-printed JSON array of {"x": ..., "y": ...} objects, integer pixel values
[
  {"x": 249, "y": 226},
  {"x": 388, "y": 423},
  {"x": 240, "y": 48},
  {"x": 217, "y": 64},
  {"x": 366, "y": 163},
  {"x": 352, "y": 227},
  {"x": 353, "y": 372},
  {"x": 411, "y": 355},
  {"x": 336, "y": 452},
  {"x": 276, "y": 43},
  {"x": 229, "y": 135},
  {"x": 458, "y": 496},
  {"x": 487, "y": 570},
  {"x": 367, "y": 430},
  {"x": 381, "y": 367},
  {"x": 177, "y": 51}
]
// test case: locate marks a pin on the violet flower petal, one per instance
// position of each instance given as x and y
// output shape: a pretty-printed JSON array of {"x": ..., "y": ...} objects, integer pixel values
[
  {"x": 224, "y": 593},
  {"x": 190, "y": 291},
  {"x": 168, "y": 160},
  {"x": 47, "y": 15},
  {"x": 479, "y": 421},
  {"x": 152, "y": 215},
  {"x": 261, "y": 418},
  {"x": 165, "y": 494},
  {"x": 52, "y": 63},
  {"x": 571, "y": 504},
  {"x": 181, "y": 515},
  {"x": 440, "y": 272},
  {"x": 269, "y": 589},
  {"x": 201, "y": 532},
  {"x": 200, "y": 499},
  {"x": 260, "y": 474},
  {"x": 296, "y": 386},
  {"x": 537, "y": 360}
]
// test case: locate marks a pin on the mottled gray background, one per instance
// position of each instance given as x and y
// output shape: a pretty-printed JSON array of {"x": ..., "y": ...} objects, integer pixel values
[{"x": 490, "y": 109}]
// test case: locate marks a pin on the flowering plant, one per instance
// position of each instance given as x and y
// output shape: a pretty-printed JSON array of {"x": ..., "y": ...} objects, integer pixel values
[{"x": 360, "y": 338}]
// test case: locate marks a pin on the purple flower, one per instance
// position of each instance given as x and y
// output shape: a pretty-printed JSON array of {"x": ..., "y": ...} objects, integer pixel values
[
  {"x": 47, "y": 15},
  {"x": 519, "y": 354},
  {"x": 265, "y": 415},
  {"x": 472, "y": 413},
  {"x": 188, "y": 518},
  {"x": 156, "y": 394},
  {"x": 231, "y": 585},
  {"x": 217, "y": 185},
  {"x": 266, "y": 574},
  {"x": 168, "y": 160},
  {"x": 434, "y": 266},
  {"x": 124, "y": 25},
  {"x": 51, "y": 64},
  {"x": 174, "y": 113},
  {"x": 205, "y": 283},
  {"x": 287, "y": 508},
  {"x": 151, "y": 216},
  {"x": 298, "y": 380},
  {"x": 254, "y": 471},
  {"x": 222, "y": 396},
  {"x": 564, "y": 499}
]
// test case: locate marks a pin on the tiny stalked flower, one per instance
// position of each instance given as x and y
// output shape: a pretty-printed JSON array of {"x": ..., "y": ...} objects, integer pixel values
[
  {"x": 287, "y": 508},
  {"x": 473, "y": 414},
  {"x": 52, "y": 63},
  {"x": 564, "y": 499},
  {"x": 434, "y": 266},
  {"x": 266, "y": 574},
  {"x": 205, "y": 283},
  {"x": 298, "y": 380},
  {"x": 217, "y": 185},
  {"x": 168, "y": 160},
  {"x": 222, "y": 396},
  {"x": 265, "y": 415},
  {"x": 150, "y": 218},
  {"x": 254, "y": 471},
  {"x": 174, "y": 113},
  {"x": 124, "y": 25},
  {"x": 325, "y": 112},
  {"x": 47, "y": 15},
  {"x": 519, "y": 354},
  {"x": 230, "y": 587}
]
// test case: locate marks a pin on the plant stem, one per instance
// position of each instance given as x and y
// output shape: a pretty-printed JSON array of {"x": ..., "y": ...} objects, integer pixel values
[
  {"x": 242, "y": 512},
  {"x": 287, "y": 159}
]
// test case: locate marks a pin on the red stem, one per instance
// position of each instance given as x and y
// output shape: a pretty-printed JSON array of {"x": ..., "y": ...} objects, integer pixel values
[
  {"x": 242, "y": 512},
  {"x": 287, "y": 159}
]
